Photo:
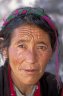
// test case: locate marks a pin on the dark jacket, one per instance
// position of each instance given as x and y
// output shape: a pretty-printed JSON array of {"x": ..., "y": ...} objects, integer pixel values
[{"x": 48, "y": 84}]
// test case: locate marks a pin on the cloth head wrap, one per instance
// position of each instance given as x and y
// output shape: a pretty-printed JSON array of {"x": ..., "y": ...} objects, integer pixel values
[{"x": 28, "y": 10}]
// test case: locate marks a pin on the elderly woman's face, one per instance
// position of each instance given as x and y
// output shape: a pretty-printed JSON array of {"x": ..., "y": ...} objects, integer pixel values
[{"x": 29, "y": 53}]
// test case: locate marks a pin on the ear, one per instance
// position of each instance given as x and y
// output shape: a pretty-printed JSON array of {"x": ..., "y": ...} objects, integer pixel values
[
  {"x": 5, "y": 53},
  {"x": 1, "y": 42}
]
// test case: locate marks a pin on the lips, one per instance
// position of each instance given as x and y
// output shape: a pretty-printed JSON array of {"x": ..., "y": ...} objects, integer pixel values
[{"x": 29, "y": 71}]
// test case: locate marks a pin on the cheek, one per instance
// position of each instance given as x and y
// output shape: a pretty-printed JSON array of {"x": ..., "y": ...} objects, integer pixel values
[
  {"x": 15, "y": 56},
  {"x": 45, "y": 57},
  {"x": 43, "y": 61}
]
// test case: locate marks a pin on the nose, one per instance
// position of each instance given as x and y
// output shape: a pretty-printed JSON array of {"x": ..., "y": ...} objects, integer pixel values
[{"x": 31, "y": 57}]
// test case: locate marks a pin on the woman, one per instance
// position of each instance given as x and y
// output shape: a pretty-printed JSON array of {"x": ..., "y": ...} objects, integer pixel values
[{"x": 29, "y": 40}]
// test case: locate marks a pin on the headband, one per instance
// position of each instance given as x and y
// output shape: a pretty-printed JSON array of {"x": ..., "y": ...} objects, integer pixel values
[{"x": 28, "y": 10}]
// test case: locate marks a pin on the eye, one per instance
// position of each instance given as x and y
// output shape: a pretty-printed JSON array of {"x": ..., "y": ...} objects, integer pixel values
[
  {"x": 42, "y": 47},
  {"x": 21, "y": 46}
]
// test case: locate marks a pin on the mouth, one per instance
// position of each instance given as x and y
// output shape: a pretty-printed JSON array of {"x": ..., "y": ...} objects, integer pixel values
[{"x": 30, "y": 71}]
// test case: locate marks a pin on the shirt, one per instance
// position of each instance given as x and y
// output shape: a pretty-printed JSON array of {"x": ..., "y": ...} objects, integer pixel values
[{"x": 19, "y": 93}]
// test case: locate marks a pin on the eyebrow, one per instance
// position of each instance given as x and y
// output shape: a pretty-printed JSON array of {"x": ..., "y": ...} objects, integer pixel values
[
  {"x": 22, "y": 40},
  {"x": 26, "y": 40},
  {"x": 42, "y": 42}
]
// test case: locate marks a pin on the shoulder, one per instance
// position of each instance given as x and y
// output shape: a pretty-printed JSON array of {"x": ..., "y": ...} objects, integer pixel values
[
  {"x": 49, "y": 83},
  {"x": 49, "y": 77},
  {"x": 4, "y": 83},
  {"x": 3, "y": 73}
]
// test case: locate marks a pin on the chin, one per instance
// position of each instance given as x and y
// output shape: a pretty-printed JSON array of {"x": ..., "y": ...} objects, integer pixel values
[{"x": 31, "y": 82}]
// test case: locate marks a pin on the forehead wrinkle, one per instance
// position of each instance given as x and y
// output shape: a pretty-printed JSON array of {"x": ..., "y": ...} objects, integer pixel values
[{"x": 29, "y": 31}]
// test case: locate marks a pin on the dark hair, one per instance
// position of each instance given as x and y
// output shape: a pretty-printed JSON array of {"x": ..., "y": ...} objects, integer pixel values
[{"x": 28, "y": 15}]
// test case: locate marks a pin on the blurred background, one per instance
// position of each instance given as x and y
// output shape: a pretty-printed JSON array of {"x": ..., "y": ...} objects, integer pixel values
[{"x": 54, "y": 8}]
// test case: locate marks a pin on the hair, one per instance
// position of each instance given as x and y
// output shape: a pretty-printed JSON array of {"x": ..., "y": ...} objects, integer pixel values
[{"x": 29, "y": 15}]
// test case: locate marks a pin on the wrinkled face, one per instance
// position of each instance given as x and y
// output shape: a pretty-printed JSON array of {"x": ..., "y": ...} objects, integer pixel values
[{"x": 29, "y": 53}]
